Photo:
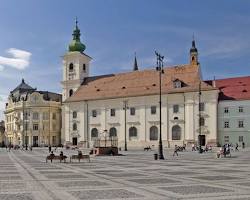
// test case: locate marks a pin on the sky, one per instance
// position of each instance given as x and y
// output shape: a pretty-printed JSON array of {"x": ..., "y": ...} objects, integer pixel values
[{"x": 35, "y": 35}]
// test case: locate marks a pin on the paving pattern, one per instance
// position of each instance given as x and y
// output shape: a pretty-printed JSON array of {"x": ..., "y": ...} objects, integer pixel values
[{"x": 25, "y": 175}]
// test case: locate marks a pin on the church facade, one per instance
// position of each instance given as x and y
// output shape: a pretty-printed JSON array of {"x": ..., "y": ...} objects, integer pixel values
[{"x": 125, "y": 106}]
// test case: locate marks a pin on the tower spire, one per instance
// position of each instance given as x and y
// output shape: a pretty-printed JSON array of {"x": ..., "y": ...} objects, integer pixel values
[
  {"x": 76, "y": 23},
  {"x": 76, "y": 44},
  {"x": 193, "y": 53},
  {"x": 135, "y": 64}
]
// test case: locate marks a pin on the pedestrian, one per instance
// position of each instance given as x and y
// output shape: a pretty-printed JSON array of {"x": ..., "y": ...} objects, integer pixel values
[
  {"x": 193, "y": 147},
  {"x": 224, "y": 150},
  {"x": 175, "y": 150},
  {"x": 243, "y": 145},
  {"x": 236, "y": 147},
  {"x": 49, "y": 149}
]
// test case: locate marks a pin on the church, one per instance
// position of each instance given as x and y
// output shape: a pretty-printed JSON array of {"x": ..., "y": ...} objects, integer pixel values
[{"x": 125, "y": 106}]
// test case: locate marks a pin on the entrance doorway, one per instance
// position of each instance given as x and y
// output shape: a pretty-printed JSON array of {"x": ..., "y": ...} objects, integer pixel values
[
  {"x": 74, "y": 140},
  {"x": 35, "y": 141},
  {"x": 202, "y": 140}
]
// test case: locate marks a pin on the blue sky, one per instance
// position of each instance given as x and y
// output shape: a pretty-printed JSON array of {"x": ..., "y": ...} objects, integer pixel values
[{"x": 113, "y": 30}]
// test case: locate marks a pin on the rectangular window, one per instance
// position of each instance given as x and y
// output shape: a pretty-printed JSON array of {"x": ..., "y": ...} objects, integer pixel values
[
  {"x": 241, "y": 109},
  {"x": 54, "y": 127},
  {"x": 202, "y": 106},
  {"x": 176, "y": 108},
  {"x": 53, "y": 140},
  {"x": 112, "y": 112},
  {"x": 132, "y": 111},
  {"x": 45, "y": 116},
  {"x": 226, "y": 138},
  {"x": 26, "y": 140},
  {"x": 153, "y": 110},
  {"x": 94, "y": 113},
  {"x": 226, "y": 110},
  {"x": 240, "y": 138},
  {"x": 241, "y": 124},
  {"x": 226, "y": 124},
  {"x": 26, "y": 126},
  {"x": 26, "y": 115},
  {"x": 54, "y": 116},
  {"x": 35, "y": 115},
  {"x": 74, "y": 114},
  {"x": 35, "y": 127}
]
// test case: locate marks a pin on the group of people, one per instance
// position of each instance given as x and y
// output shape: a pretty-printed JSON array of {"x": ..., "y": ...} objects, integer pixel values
[
  {"x": 17, "y": 147},
  {"x": 206, "y": 149}
]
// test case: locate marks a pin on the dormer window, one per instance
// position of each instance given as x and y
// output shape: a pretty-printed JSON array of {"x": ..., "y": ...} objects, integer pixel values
[
  {"x": 71, "y": 67},
  {"x": 177, "y": 83}
]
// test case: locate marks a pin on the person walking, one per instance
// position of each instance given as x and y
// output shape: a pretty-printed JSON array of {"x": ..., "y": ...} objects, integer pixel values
[
  {"x": 243, "y": 145},
  {"x": 175, "y": 150},
  {"x": 49, "y": 149},
  {"x": 236, "y": 147}
]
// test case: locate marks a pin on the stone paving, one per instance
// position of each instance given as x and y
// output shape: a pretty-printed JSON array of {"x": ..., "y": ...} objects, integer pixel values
[{"x": 25, "y": 175}]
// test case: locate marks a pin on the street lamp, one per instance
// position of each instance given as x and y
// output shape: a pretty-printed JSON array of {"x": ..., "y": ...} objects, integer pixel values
[
  {"x": 200, "y": 150},
  {"x": 105, "y": 135},
  {"x": 125, "y": 107},
  {"x": 26, "y": 128},
  {"x": 159, "y": 68},
  {"x": 23, "y": 121}
]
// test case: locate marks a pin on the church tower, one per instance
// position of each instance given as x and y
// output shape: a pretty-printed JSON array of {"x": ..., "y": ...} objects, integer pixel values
[
  {"x": 75, "y": 65},
  {"x": 193, "y": 54}
]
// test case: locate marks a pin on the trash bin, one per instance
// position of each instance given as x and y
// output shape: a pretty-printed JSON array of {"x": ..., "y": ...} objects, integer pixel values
[{"x": 156, "y": 156}]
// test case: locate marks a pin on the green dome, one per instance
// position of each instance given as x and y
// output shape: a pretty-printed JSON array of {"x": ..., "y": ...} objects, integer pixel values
[{"x": 76, "y": 44}]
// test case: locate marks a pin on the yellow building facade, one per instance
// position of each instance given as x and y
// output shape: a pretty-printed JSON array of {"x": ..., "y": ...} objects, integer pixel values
[{"x": 33, "y": 118}]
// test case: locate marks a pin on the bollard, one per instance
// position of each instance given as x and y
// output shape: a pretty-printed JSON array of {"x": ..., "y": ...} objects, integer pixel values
[{"x": 156, "y": 156}]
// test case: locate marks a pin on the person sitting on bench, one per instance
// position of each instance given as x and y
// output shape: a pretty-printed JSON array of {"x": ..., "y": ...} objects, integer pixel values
[{"x": 52, "y": 154}]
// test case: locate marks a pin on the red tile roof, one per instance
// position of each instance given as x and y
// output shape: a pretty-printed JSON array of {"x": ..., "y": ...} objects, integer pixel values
[
  {"x": 139, "y": 83},
  {"x": 234, "y": 88}
]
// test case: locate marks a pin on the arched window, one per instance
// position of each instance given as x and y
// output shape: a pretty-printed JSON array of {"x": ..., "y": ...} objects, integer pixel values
[
  {"x": 176, "y": 132},
  {"x": 71, "y": 67},
  {"x": 94, "y": 133},
  {"x": 112, "y": 132},
  {"x": 74, "y": 114},
  {"x": 202, "y": 121},
  {"x": 132, "y": 132},
  {"x": 71, "y": 92},
  {"x": 74, "y": 127},
  {"x": 153, "y": 133}
]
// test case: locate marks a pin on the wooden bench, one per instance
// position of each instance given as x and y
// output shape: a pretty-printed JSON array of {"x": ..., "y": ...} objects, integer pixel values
[
  {"x": 80, "y": 157},
  {"x": 50, "y": 157}
]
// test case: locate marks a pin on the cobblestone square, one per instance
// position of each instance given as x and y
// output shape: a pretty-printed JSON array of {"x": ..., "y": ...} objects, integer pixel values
[{"x": 136, "y": 175}]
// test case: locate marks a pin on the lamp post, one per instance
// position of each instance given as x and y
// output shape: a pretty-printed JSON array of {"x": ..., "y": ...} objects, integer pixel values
[
  {"x": 159, "y": 68},
  {"x": 23, "y": 121},
  {"x": 105, "y": 135},
  {"x": 200, "y": 150},
  {"x": 125, "y": 107},
  {"x": 26, "y": 127}
]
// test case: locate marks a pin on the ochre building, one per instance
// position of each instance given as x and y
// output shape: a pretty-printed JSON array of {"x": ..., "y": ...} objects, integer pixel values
[{"x": 33, "y": 117}]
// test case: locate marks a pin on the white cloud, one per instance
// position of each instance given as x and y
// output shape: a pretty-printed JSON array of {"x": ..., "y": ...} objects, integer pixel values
[{"x": 20, "y": 59}]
